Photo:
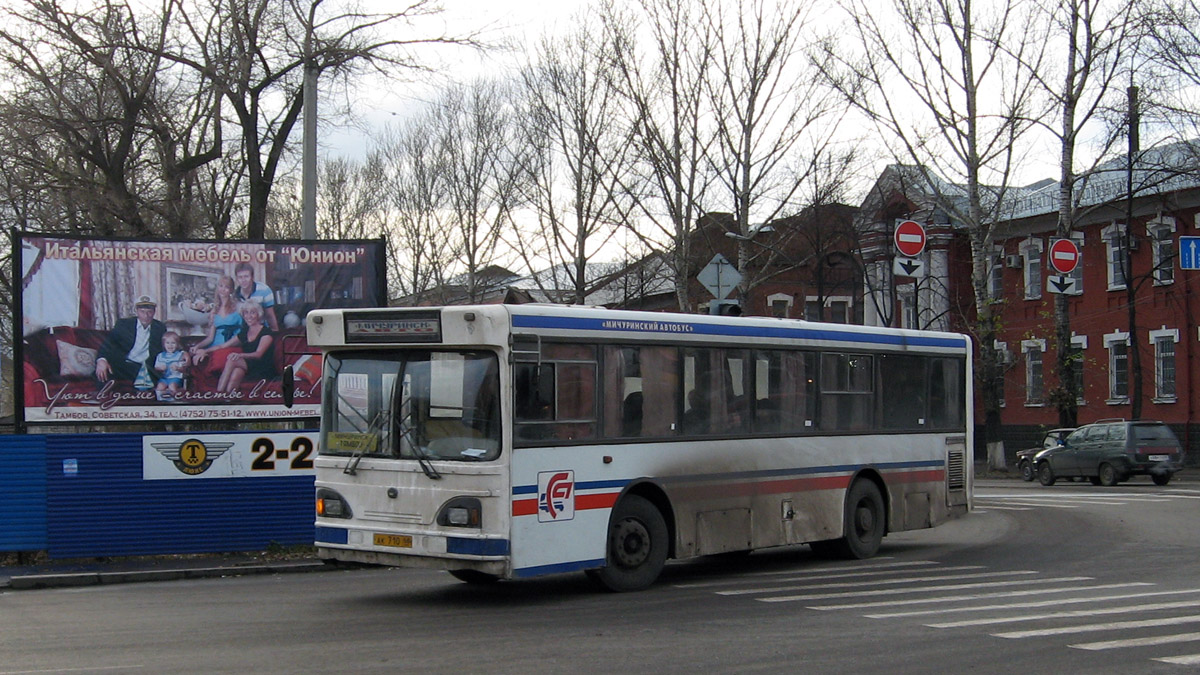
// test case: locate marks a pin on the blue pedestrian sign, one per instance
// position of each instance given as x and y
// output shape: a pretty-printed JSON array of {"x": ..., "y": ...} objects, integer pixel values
[{"x": 1189, "y": 253}]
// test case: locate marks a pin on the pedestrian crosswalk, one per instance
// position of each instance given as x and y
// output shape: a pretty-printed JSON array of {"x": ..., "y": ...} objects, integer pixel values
[
  {"x": 1078, "y": 612},
  {"x": 1028, "y": 500}
]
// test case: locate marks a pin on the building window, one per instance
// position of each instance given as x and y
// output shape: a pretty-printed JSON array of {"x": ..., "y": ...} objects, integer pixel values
[
  {"x": 1161, "y": 233},
  {"x": 1031, "y": 251},
  {"x": 1117, "y": 255},
  {"x": 1035, "y": 385},
  {"x": 780, "y": 305},
  {"x": 996, "y": 276},
  {"x": 1117, "y": 344},
  {"x": 1077, "y": 273},
  {"x": 1078, "y": 352},
  {"x": 1164, "y": 341},
  {"x": 836, "y": 309}
]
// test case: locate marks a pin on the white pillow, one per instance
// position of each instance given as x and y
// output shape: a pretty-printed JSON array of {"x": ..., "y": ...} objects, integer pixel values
[{"x": 75, "y": 361}]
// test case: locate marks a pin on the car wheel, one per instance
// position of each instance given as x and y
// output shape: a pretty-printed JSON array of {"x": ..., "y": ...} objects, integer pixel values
[
  {"x": 1045, "y": 474},
  {"x": 1108, "y": 475},
  {"x": 1026, "y": 468},
  {"x": 1161, "y": 478}
]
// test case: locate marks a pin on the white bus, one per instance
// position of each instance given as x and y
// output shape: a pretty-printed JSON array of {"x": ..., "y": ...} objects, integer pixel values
[{"x": 511, "y": 441}]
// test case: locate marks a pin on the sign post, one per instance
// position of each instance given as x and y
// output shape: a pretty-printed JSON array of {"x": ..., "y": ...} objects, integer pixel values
[{"x": 1064, "y": 258}]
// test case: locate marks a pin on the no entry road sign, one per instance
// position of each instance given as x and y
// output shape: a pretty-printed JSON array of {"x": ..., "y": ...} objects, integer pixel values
[
  {"x": 1064, "y": 255},
  {"x": 910, "y": 238}
]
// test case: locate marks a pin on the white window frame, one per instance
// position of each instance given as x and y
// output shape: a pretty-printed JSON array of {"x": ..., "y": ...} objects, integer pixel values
[
  {"x": 1079, "y": 342},
  {"x": 1159, "y": 339},
  {"x": 1035, "y": 372},
  {"x": 830, "y": 301},
  {"x": 1077, "y": 273},
  {"x": 1161, "y": 235},
  {"x": 1111, "y": 339},
  {"x": 996, "y": 274},
  {"x": 781, "y": 297},
  {"x": 1033, "y": 271},
  {"x": 1114, "y": 256}
]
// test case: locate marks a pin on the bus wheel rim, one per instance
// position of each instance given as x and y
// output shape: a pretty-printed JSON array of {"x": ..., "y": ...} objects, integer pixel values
[{"x": 631, "y": 542}]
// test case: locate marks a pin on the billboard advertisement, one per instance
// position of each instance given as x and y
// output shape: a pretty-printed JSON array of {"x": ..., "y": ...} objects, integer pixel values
[{"x": 154, "y": 331}]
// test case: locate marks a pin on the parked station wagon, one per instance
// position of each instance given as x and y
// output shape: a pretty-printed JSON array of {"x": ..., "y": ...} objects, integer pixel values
[{"x": 1110, "y": 451}]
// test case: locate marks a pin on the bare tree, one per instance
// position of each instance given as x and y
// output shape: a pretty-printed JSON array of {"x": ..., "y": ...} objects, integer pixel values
[
  {"x": 254, "y": 52},
  {"x": 124, "y": 135},
  {"x": 576, "y": 164},
  {"x": 774, "y": 118},
  {"x": 664, "y": 86},
  {"x": 482, "y": 161},
  {"x": 422, "y": 245},
  {"x": 1093, "y": 42},
  {"x": 920, "y": 73}
]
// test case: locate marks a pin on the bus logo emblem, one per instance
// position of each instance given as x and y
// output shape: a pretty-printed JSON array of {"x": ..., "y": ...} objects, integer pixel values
[{"x": 556, "y": 496}]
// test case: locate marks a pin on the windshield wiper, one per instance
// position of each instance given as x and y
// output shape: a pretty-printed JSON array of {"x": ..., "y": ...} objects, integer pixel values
[{"x": 409, "y": 431}]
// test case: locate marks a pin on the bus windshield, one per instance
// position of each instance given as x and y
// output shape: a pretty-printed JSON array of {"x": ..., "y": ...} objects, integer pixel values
[{"x": 418, "y": 404}]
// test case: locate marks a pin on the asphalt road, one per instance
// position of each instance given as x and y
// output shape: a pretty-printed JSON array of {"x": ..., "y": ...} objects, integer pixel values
[{"x": 1060, "y": 579}]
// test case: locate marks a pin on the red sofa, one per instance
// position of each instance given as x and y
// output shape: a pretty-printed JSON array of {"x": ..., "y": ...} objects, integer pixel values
[{"x": 62, "y": 359}]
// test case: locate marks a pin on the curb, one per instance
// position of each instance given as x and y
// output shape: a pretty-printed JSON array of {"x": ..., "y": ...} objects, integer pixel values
[{"x": 38, "y": 581}]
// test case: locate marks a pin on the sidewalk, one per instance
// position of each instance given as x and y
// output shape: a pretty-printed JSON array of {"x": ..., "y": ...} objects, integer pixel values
[{"x": 57, "y": 574}]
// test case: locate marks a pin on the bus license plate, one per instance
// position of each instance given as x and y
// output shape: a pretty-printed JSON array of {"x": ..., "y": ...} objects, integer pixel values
[
  {"x": 1159, "y": 458},
  {"x": 393, "y": 540}
]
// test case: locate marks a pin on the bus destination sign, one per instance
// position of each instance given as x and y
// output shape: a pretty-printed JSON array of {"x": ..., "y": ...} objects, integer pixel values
[{"x": 393, "y": 327}]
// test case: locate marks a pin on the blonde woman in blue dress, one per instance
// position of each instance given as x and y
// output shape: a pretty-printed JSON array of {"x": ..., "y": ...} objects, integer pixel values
[{"x": 223, "y": 325}]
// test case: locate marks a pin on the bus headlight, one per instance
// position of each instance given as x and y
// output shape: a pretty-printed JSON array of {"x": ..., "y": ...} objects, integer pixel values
[
  {"x": 461, "y": 512},
  {"x": 331, "y": 505}
]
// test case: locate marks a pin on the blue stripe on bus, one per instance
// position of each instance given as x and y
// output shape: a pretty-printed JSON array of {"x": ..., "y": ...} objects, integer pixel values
[
  {"x": 585, "y": 485},
  {"x": 331, "y": 535},
  {"x": 690, "y": 328},
  {"x": 558, "y": 568},
  {"x": 754, "y": 475},
  {"x": 476, "y": 546}
]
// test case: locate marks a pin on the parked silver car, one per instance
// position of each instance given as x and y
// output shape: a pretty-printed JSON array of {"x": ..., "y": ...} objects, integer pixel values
[{"x": 1110, "y": 451}]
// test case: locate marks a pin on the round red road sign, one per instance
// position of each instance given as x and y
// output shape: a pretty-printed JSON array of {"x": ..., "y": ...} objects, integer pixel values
[
  {"x": 1064, "y": 255},
  {"x": 910, "y": 238}
]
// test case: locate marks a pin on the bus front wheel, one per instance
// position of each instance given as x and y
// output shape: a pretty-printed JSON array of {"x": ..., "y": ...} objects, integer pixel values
[{"x": 637, "y": 546}]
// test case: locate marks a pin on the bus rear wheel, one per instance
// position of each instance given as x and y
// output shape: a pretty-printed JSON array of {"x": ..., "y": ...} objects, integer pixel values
[
  {"x": 864, "y": 521},
  {"x": 637, "y": 546}
]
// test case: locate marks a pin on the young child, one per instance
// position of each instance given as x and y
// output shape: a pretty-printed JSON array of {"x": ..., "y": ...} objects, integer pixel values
[{"x": 171, "y": 364}]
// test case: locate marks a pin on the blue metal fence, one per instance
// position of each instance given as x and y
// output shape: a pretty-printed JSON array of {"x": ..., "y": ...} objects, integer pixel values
[{"x": 83, "y": 495}]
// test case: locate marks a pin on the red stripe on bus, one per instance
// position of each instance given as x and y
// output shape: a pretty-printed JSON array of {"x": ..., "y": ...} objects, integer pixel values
[
  {"x": 935, "y": 476},
  {"x": 605, "y": 500}
]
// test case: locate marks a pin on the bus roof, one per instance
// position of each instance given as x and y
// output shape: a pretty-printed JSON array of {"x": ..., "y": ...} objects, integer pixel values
[{"x": 676, "y": 328}]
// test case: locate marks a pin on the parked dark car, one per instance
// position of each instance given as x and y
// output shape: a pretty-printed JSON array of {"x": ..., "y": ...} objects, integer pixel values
[
  {"x": 1110, "y": 451},
  {"x": 1025, "y": 457}
]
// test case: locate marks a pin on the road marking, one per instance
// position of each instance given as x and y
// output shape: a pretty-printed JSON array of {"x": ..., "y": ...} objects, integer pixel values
[
  {"x": 1138, "y": 642},
  {"x": 1189, "y": 660},
  {"x": 993, "y": 507},
  {"x": 1072, "y": 614},
  {"x": 817, "y": 573},
  {"x": 1043, "y": 505},
  {"x": 981, "y": 596},
  {"x": 1024, "y": 605},
  {"x": 1095, "y": 627},
  {"x": 840, "y": 575},
  {"x": 884, "y": 582},
  {"x": 924, "y": 589}
]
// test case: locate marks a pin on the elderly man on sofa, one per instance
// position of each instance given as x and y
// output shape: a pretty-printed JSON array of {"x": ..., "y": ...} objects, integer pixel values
[{"x": 132, "y": 343}]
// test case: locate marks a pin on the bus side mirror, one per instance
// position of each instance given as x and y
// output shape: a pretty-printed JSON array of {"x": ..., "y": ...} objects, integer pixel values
[{"x": 288, "y": 386}]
